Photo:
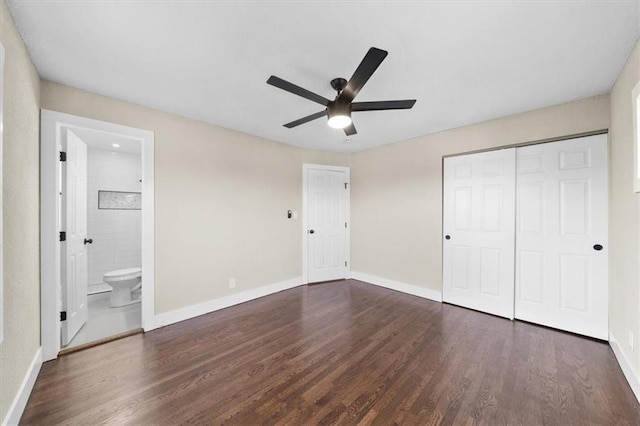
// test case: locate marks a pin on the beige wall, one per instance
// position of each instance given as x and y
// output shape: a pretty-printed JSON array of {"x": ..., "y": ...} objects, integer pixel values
[
  {"x": 21, "y": 214},
  {"x": 397, "y": 189},
  {"x": 221, "y": 200},
  {"x": 624, "y": 210}
]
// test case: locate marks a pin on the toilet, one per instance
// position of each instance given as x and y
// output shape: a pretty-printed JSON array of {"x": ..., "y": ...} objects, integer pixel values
[{"x": 126, "y": 285}]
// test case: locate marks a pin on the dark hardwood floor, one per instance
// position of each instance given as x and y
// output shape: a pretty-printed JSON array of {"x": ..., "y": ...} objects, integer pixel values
[{"x": 338, "y": 353}]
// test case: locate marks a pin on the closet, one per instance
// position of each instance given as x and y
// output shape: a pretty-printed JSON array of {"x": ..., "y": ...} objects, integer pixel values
[{"x": 525, "y": 233}]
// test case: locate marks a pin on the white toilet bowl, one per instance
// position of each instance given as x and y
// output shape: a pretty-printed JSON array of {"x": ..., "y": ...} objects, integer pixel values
[{"x": 125, "y": 284}]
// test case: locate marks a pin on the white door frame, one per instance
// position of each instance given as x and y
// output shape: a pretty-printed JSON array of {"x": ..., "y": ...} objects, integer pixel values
[
  {"x": 305, "y": 237},
  {"x": 51, "y": 125}
]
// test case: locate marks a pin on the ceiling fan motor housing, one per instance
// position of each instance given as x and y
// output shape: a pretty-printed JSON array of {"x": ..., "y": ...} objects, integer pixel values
[{"x": 338, "y": 107}]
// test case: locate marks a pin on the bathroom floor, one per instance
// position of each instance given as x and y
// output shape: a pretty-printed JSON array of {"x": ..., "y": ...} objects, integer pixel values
[{"x": 104, "y": 321}]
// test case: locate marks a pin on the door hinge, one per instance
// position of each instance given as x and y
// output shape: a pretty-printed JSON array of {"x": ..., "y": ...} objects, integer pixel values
[
  {"x": 63, "y": 156},
  {"x": 63, "y": 316},
  {"x": 345, "y": 263},
  {"x": 63, "y": 236},
  {"x": 345, "y": 185},
  {"x": 345, "y": 224}
]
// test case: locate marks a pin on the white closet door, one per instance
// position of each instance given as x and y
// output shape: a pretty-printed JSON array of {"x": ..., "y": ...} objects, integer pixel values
[
  {"x": 561, "y": 248},
  {"x": 479, "y": 231}
]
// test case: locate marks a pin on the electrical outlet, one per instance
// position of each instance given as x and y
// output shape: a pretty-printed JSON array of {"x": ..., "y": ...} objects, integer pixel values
[
  {"x": 232, "y": 283},
  {"x": 631, "y": 341}
]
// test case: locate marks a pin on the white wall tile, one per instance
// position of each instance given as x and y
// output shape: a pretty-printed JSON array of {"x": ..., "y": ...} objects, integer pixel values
[{"x": 116, "y": 234}]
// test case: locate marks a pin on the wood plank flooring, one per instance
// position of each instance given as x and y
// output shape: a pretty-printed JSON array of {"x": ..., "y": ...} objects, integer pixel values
[{"x": 338, "y": 353}]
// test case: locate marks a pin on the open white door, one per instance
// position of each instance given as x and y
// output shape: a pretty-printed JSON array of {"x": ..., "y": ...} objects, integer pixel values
[
  {"x": 74, "y": 277},
  {"x": 479, "y": 231},
  {"x": 562, "y": 248},
  {"x": 326, "y": 218}
]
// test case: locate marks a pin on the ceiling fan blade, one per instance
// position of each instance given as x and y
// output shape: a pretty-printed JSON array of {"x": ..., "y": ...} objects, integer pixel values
[
  {"x": 365, "y": 70},
  {"x": 350, "y": 130},
  {"x": 297, "y": 90},
  {"x": 382, "y": 105},
  {"x": 306, "y": 119}
]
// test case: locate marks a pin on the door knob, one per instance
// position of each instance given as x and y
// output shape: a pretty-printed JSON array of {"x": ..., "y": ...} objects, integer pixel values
[
  {"x": 597, "y": 247},
  {"x": 447, "y": 237},
  {"x": 89, "y": 241},
  {"x": 311, "y": 231}
]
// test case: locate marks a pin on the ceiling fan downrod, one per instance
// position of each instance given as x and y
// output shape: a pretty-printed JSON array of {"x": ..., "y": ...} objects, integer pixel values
[{"x": 338, "y": 84}]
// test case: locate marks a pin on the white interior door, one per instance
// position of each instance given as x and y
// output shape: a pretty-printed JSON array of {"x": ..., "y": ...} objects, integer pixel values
[
  {"x": 561, "y": 249},
  {"x": 327, "y": 216},
  {"x": 74, "y": 253},
  {"x": 479, "y": 231}
]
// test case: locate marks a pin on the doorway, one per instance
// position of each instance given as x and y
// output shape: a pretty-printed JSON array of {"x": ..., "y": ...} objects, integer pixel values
[
  {"x": 325, "y": 213},
  {"x": 85, "y": 213}
]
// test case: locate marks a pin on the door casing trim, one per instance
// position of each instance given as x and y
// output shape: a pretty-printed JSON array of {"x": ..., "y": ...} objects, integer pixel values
[{"x": 51, "y": 124}]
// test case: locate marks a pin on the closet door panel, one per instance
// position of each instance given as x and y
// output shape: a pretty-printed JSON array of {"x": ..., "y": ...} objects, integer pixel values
[
  {"x": 479, "y": 219},
  {"x": 561, "y": 279}
]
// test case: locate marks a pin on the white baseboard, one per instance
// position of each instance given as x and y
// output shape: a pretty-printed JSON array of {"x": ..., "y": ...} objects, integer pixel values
[
  {"x": 627, "y": 368},
  {"x": 193, "y": 311},
  {"x": 398, "y": 286},
  {"x": 20, "y": 401}
]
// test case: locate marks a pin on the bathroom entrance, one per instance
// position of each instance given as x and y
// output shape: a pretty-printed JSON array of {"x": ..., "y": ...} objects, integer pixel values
[
  {"x": 101, "y": 213},
  {"x": 97, "y": 204}
]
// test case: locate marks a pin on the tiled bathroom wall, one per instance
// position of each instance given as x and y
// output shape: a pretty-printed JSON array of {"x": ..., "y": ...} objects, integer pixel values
[{"x": 116, "y": 234}]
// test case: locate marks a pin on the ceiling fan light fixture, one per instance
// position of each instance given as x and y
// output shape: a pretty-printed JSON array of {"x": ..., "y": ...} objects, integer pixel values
[
  {"x": 339, "y": 114},
  {"x": 339, "y": 121}
]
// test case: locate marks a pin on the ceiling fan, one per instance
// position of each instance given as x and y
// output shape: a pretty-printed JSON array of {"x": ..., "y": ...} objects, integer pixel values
[{"x": 339, "y": 110}]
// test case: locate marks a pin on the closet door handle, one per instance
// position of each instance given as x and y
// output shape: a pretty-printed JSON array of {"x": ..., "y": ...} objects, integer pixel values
[
  {"x": 597, "y": 247},
  {"x": 89, "y": 241},
  {"x": 447, "y": 237}
]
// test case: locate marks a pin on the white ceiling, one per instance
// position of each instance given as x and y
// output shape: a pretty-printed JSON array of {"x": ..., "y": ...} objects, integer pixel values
[
  {"x": 103, "y": 140},
  {"x": 465, "y": 62}
]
